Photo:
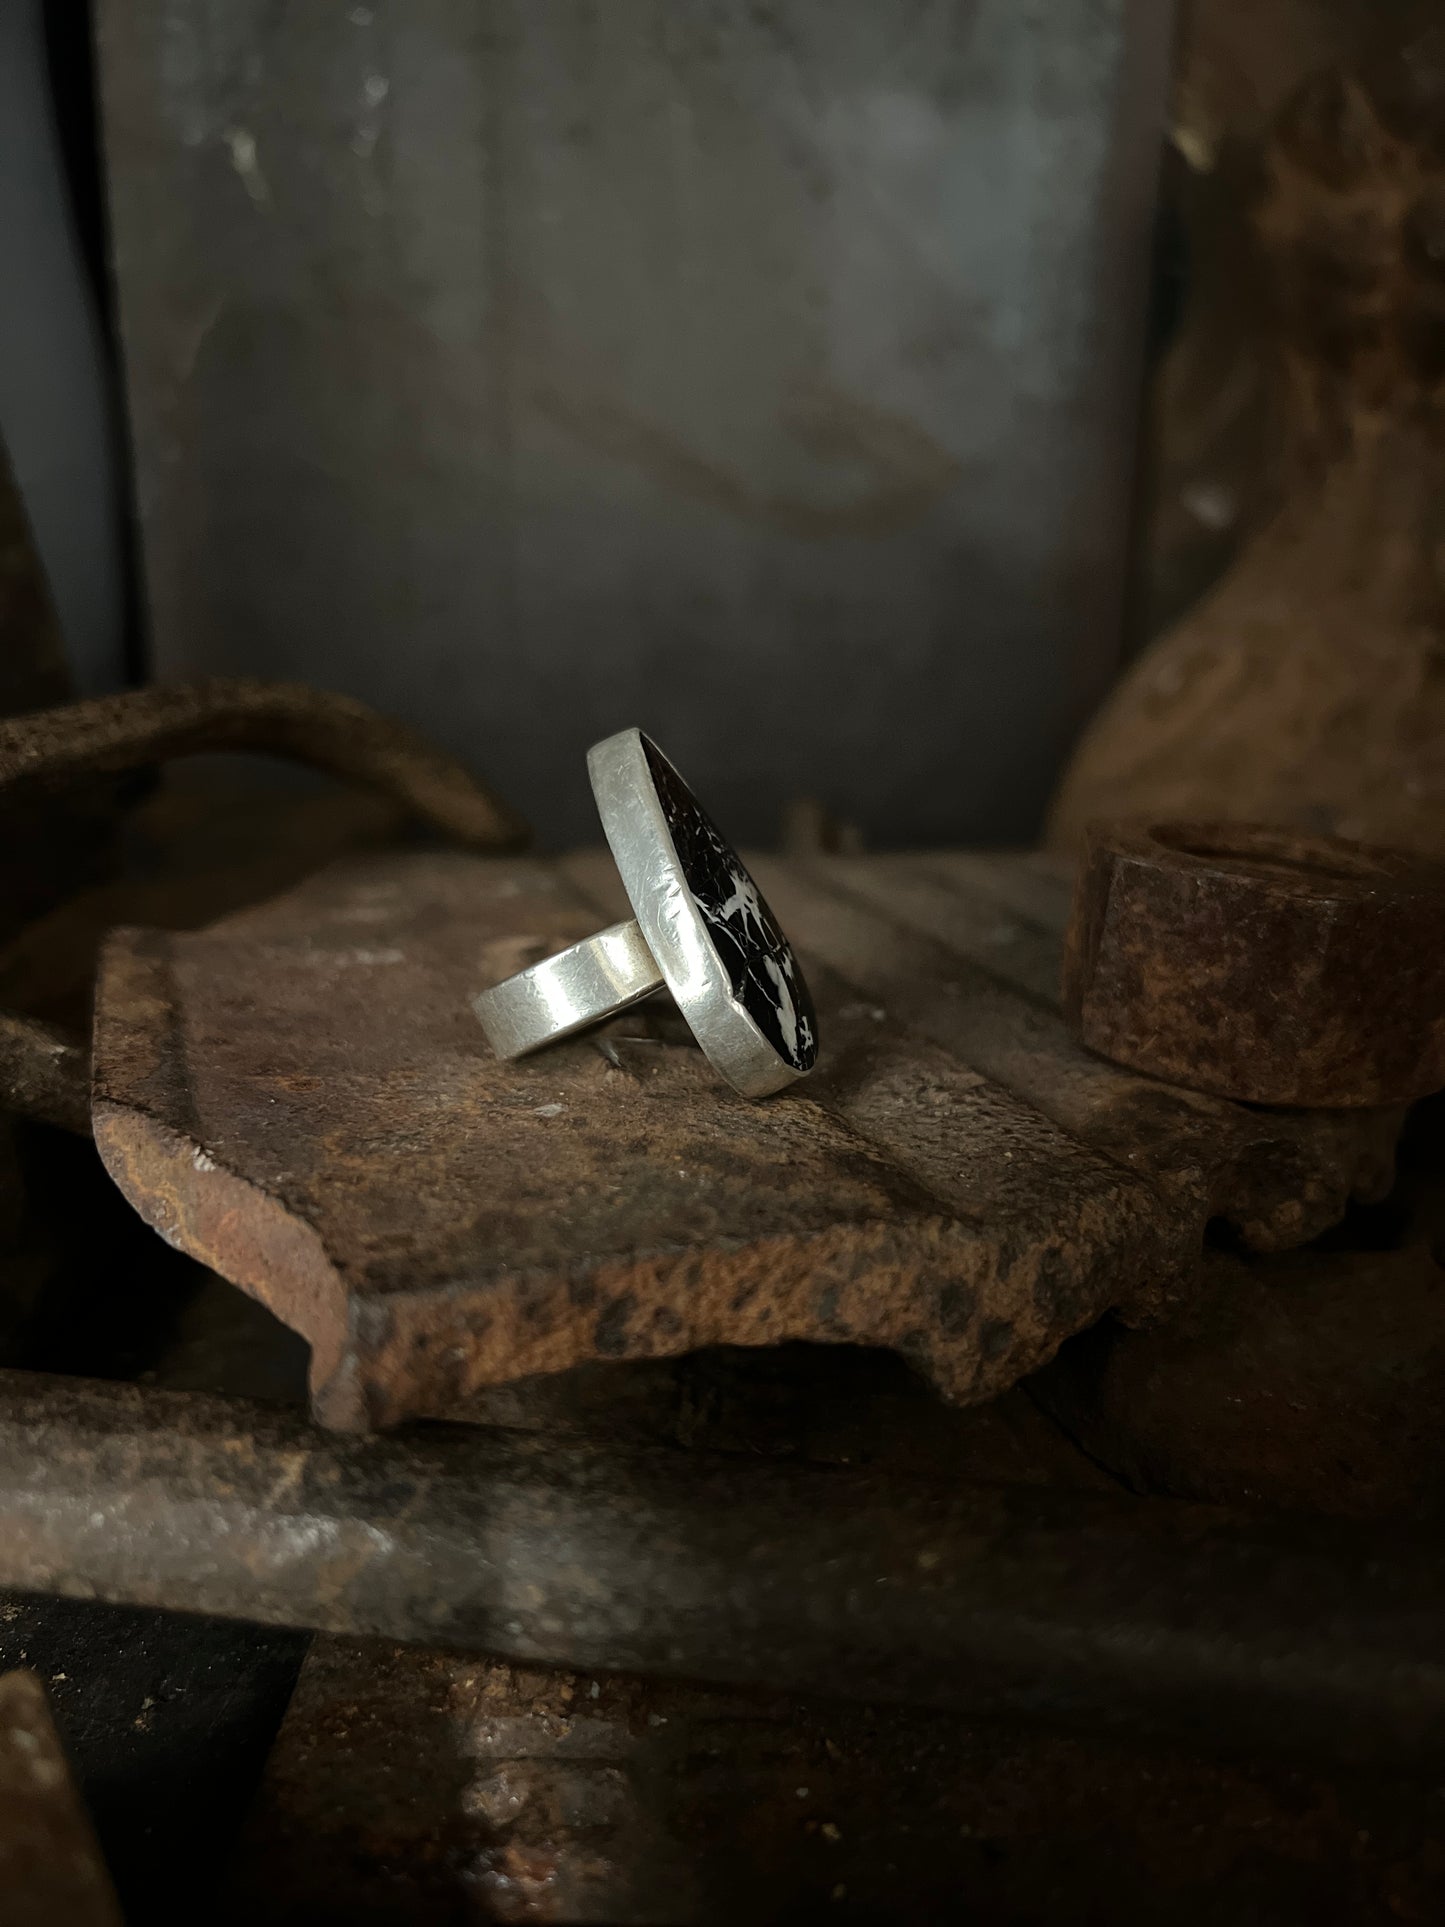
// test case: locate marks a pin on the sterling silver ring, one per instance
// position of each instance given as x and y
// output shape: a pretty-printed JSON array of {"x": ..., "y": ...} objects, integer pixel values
[{"x": 701, "y": 929}]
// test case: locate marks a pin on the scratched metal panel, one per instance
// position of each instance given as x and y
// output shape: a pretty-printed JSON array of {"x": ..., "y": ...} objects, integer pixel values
[{"x": 762, "y": 374}]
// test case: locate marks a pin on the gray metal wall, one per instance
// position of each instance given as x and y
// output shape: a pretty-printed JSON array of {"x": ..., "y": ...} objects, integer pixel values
[
  {"x": 763, "y": 374},
  {"x": 57, "y": 406}
]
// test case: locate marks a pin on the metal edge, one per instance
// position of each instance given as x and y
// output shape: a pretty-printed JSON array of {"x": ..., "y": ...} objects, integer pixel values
[{"x": 636, "y": 829}]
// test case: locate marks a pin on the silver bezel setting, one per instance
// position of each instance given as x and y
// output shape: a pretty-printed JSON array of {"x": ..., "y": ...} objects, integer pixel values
[{"x": 676, "y": 931}]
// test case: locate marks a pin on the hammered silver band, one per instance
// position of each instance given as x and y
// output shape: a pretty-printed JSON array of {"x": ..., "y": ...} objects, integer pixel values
[{"x": 579, "y": 986}]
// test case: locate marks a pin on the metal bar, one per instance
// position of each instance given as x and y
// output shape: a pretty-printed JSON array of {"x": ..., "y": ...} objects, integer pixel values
[
  {"x": 56, "y": 748},
  {"x": 1254, "y": 1630}
]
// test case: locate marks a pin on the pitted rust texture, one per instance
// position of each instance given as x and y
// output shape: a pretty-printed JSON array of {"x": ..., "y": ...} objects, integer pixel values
[
  {"x": 51, "y": 1870},
  {"x": 1260, "y": 965},
  {"x": 108, "y": 735},
  {"x": 1096, "y": 1608},
  {"x": 963, "y": 950},
  {"x": 301, "y": 1098}
]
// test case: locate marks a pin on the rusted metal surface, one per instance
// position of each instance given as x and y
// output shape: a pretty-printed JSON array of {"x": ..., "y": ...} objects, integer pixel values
[
  {"x": 56, "y": 750},
  {"x": 1260, "y": 965},
  {"x": 1071, "y": 1606},
  {"x": 44, "y": 1073},
  {"x": 412, "y": 1789},
  {"x": 300, "y": 1097},
  {"x": 196, "y": 850},
  {"x": 167, "y": 1713},
  {"x": 963, "y": 951},
  {"x": 1304, "y": 690},
  {"x": 111, "y": 734},
  {"x": 51, "y": 1871},
  {"x": 1308, "y": 1379}
]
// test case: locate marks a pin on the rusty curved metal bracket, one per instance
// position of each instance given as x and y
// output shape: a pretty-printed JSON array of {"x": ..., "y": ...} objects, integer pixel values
[
  {"x": 109, "y": 735},
  {"x": 44, "y": 1073}
]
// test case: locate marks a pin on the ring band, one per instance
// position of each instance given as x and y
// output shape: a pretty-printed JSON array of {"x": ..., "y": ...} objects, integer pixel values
[
  {"x": 701, "y": 929},
  {"x": 579, "y": 986}
]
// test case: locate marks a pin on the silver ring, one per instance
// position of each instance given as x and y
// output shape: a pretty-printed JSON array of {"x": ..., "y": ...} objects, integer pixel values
[{"x": 701, "y": 929}]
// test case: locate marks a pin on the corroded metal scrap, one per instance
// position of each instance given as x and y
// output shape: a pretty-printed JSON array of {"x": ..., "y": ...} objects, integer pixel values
[
  {"x": 300, "y": 1097},
  {"x": 1260, "y": 964}
]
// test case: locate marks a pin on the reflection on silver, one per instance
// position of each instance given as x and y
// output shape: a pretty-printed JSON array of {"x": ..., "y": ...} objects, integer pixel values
[{"x": 669, "y": 944}]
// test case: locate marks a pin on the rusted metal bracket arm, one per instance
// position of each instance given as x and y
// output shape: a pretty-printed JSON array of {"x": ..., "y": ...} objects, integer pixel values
[
  {"x": 44, "y": 1073},
  {"x": 55, "y": 748},
  {"x": 1262, "y": 1631}
]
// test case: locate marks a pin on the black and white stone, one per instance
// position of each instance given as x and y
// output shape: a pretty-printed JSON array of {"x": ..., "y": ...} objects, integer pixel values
[{"x": 759, "y": 961}]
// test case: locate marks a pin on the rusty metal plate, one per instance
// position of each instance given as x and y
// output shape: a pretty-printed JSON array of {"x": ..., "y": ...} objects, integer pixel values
[{"x": 300, "y": 1097}]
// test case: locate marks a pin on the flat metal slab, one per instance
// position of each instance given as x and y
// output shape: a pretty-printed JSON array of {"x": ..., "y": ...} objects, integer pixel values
[{"x": 301, "y": 1097}]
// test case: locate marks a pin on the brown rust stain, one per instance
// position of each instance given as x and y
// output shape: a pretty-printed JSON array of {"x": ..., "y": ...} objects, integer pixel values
[
  {"x": 302, "y": 1095},
  {"x": 230, "y": 1224},
  {"x": 1259, "y": 964},
  {"x": 1278, "y": 1176},
  {"x": 934, "y": 1289}
]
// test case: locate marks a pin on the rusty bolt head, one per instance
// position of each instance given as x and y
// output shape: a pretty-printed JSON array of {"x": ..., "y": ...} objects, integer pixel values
[{"x": 1260, "y": 965}]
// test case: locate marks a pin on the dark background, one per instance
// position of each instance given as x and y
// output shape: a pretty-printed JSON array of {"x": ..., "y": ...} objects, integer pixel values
[{"x": 767, "y": 375}]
